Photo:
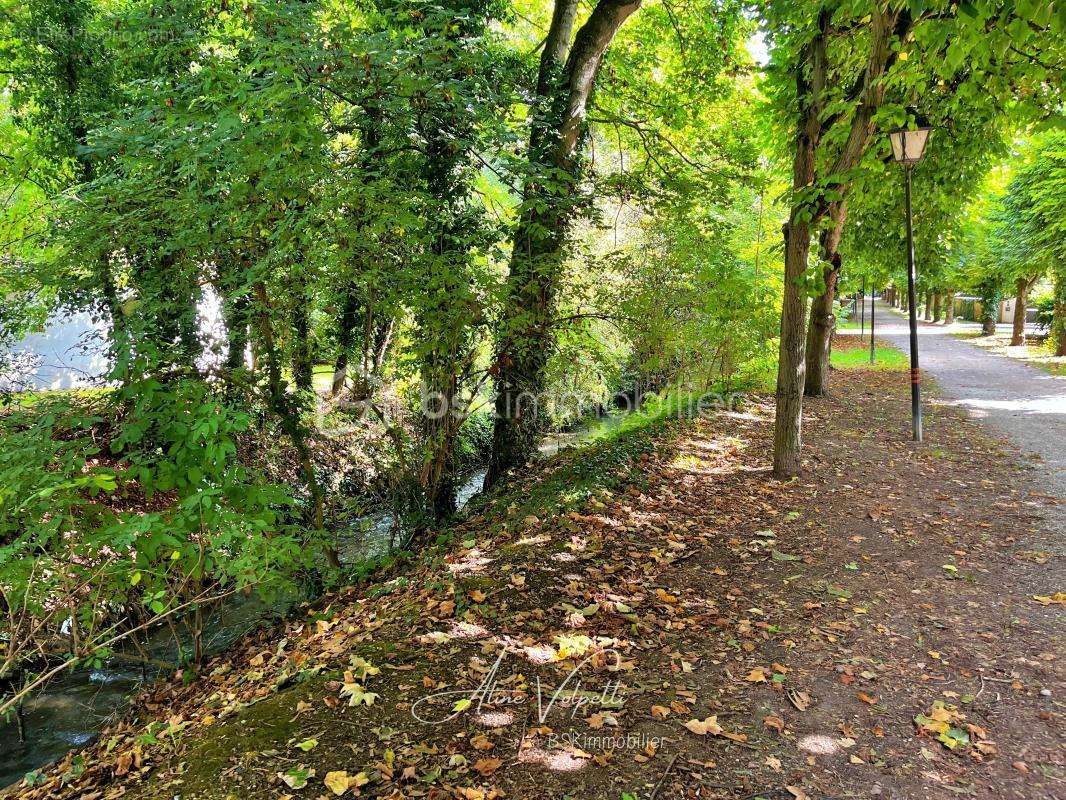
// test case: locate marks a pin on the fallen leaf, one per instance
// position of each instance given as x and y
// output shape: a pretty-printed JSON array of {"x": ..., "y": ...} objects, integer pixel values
[
  {"x": 486, "y": 766},
  {"x": 774, "y": 723},
  {"x": 1047, "y": 600},
  {"x": 297, "y": 777},
  {"x": 801, "y": 700},
  {"x": 757, "y": 675},
  {"x": 711, "y": 726},
  {"x": 337, "y": 782}
]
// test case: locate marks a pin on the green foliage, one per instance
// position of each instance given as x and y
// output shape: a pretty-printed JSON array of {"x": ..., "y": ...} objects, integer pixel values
[
  {"x": 355, "y": 185},
  {"x": 1045, "y": 310},
  {"x": 97, "y": 539},
  {"x": 473, "y": 441},
  {"x": 697, "y": 314}
]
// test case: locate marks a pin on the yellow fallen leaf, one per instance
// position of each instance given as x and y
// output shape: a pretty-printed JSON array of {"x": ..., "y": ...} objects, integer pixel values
[
  {"x": 337, "y": 782},
  {"x": 1047, "y": 600},
  {"x": 665, "y": 596}
]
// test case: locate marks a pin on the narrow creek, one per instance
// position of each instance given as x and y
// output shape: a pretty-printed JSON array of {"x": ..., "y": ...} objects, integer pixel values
[{"x": 75, "y": 707}]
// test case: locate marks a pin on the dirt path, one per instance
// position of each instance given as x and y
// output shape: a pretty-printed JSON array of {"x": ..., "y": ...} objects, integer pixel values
[{"x": 866, "y": 631}]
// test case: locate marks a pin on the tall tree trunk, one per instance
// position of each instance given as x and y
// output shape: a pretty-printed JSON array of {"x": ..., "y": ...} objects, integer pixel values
[
  {"x": 370, "y": 162},
  {"x": 949, "y": 307},
  {"x": 1021, "y": 298},
  {"x": 235, "y": 316},
  {"x": 810, "y": 76},
  {"x": 1058, "y": 322},
  {"x": 936, "y": 307},
  {"x": 565, "y": 82},
  {"x": 346, "y": 326},
  {"x": 289, "y": 415},
  {"x": 170, "y": 297},
  {"x": 791, "y": 366},
  {"x": 302, "y": 356},
  {"x": 72, "y": 18},
  {"x": 928, "y": 312},
  {"x": 823, "y": 322},
  {"x": 236, "y": 309},
  {"x": 989, "y": 315}
]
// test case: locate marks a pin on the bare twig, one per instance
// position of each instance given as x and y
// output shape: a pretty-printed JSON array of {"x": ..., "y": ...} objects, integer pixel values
[{"x": 662, "y": 780}]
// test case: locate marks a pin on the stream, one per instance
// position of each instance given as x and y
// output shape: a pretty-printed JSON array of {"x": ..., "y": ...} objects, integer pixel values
[{"x": 75, "y": 707}]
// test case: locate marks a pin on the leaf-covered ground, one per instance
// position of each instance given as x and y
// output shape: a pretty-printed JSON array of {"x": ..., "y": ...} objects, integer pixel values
[{"x": 871, "y": 629}]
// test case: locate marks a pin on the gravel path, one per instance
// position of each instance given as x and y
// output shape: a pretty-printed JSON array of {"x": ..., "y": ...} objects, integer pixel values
[{"x": 1025, "y": 404}]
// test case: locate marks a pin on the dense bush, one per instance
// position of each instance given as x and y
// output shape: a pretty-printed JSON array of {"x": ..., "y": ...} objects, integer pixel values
[{"x": 130, "y": 509}]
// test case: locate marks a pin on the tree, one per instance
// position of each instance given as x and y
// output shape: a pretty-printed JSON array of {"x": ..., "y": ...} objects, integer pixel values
[
  {"x": 1029, "y": 230},
  {"x": 832, "y": 68},
  {"x": 833, "y": 112},
  {"x": 569, "y": 67}
]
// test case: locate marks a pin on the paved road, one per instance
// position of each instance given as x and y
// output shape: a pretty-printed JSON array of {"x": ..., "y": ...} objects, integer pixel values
[{"x": 1023, "y": 403}]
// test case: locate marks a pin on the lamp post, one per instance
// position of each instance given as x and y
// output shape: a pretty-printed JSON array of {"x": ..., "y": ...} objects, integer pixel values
[
  {"x": 873, "y": 314},
  {"x": 907, "y": 149},
  {"x": 862, "y": 309}
]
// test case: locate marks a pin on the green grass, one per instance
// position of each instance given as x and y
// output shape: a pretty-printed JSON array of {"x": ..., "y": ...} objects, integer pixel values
[
  {"x": 887, "y": 358},
  {"x": 853, "y": 324}
]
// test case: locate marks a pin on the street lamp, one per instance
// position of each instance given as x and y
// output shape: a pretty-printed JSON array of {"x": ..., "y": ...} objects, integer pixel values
[
  {"x": 873, "y": 315},
  {"x": 907, "y": 149}
]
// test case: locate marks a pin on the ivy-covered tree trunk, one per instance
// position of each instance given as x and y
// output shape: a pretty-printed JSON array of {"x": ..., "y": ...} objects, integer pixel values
[
  {"x": 565, "y": 81},
  {"x": 370, "y": 162},
  {"x": 346, "y": 326},
  {"x": 1058, "y": 324},
  {"x": 235, "y": 317},
  {"x": 823, "y": 321},
  {"x": 236, "y": 309},
  {"x": 105, "y": 278},
  {"x": 302, "y": 356},
  {"x": 281, "y": 403},
  {"x": 168, "y": 310},
  {"x": 989, "y": 313},
  {"x": 1021, "y": 299},
  {"x": 449, "y": 310}
]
